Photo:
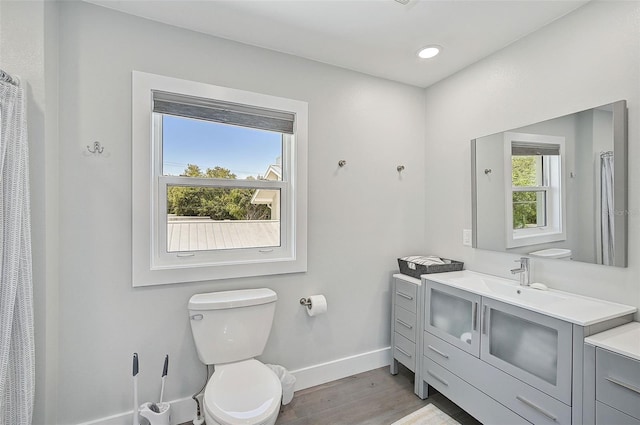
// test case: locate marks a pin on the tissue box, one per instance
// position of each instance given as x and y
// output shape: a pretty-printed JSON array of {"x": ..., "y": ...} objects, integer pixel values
[{"x": 415, "y": 270}]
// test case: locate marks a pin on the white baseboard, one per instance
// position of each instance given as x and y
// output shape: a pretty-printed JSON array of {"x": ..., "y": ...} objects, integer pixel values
[
  {"x": 183, "y": 410},
  {"x": 341, "y": 368}
]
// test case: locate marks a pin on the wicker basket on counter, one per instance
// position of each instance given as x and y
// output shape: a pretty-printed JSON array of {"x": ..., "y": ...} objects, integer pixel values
[{"x": 416, "y": 270}]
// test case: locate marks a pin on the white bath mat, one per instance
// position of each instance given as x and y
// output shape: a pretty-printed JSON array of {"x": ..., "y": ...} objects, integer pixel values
[{"x": 428, "y": 415}]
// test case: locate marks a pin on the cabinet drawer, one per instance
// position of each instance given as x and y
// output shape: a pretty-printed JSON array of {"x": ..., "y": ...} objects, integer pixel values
[
  {"x": 606, "y": 415},
  {"x": 618, "y": 382},
  {"x": 405, "y": 352},
  {"x": 405, "y": 295},
  {"x": 481, "y": 406},
  {"x": 444, "y": 353},
  {"x": 523, "y": 399},
  {"x": 405, "y": 323}
]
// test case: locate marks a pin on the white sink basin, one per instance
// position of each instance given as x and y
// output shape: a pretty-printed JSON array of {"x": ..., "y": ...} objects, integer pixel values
[
  {"x": 572, "y": 308},
  {"x": 512, "y": 290}
]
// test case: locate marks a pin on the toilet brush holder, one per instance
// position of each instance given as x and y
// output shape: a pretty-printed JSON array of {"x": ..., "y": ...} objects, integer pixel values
[{"x": 156, "y": 418}]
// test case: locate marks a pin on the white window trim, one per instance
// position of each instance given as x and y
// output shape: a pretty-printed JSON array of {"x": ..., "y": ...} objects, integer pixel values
[
  {"x": 151, "y": 265},
  {"x": 555, "y": 230}
]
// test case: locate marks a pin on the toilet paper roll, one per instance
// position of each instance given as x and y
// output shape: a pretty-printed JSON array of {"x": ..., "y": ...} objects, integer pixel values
[
  {"x": 466, "y": 337},
  {"x": 318, "y": 305}
]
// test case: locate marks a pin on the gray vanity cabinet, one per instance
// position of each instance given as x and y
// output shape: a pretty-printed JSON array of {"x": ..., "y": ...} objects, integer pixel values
[
  {"x": 613, "y": 383},
  {"x": 505, "y": 363},
  {"x": 612, "y": 379},
  {"x": 515, "y": 360},
  {"x": 532, "y": 347},
  {"x": 406, "y": 316}
]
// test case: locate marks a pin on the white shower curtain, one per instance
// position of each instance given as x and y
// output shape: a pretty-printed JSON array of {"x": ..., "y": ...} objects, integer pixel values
[
  {"x": 16, "y": 289},
  {"x": 607, "y": 212}
]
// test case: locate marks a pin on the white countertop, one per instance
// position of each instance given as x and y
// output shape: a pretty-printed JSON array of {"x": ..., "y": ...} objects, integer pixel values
[
  {"x": 583, "y": 311},
  {"x": 408, "y": 278},
  {"x": 623, "y": 340}
]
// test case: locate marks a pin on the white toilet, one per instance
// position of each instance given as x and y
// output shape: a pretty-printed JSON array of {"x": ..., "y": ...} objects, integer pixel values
[{"x": 230, "y": 329}]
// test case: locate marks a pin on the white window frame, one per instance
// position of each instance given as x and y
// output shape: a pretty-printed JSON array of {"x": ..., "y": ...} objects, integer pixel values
[
  {"x": 555, "y": 229},
  {"x": 152, "y": 264}
]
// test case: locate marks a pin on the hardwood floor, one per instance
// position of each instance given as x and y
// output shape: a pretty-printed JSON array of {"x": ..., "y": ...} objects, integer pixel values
[{"x": 370, "y": 398}]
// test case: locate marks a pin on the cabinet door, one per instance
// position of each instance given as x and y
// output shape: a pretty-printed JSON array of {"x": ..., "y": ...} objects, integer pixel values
[
  {"x": 453, "y": 315},
  {"x": 529, "y": 346}
]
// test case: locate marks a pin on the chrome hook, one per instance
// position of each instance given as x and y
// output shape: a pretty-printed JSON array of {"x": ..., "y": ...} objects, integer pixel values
[{"x": 96, "y": 148}]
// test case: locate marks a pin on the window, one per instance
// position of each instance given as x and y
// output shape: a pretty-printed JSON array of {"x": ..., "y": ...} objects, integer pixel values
[
  {"x": 219, "y": 182},
  {"x": 533, "y": 173}
]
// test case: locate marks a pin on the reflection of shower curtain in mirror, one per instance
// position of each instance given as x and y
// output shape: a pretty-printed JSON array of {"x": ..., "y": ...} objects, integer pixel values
[
  {"x": 16, "y": 293},
  {"x": 607, "y": 213}
]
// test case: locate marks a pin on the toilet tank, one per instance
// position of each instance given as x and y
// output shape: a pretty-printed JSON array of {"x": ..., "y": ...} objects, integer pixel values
[{"x": 231, "y": 326}]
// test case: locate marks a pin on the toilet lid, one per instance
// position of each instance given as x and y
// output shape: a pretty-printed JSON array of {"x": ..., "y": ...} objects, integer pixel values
[{"x": 246, "y": 392}]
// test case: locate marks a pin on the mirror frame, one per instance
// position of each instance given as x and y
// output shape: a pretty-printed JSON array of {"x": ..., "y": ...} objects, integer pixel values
[{"x": 620, "y": 179}]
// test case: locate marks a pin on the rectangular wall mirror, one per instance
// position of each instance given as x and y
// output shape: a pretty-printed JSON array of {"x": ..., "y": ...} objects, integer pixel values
[{"x": 555, "y": 189}]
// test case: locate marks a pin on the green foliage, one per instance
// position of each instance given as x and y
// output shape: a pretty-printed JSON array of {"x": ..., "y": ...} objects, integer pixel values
[
  {"x": 216, "y": 203},
  {"x": 525, "y": 204}
]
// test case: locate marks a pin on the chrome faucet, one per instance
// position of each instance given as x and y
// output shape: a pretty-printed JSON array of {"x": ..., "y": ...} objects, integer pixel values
[{"x": 524, "y": 271}]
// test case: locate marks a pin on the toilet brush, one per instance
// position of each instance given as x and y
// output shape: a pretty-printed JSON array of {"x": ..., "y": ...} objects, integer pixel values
[
  {"x": 165, "y": 369},
  {"x": 136, "y": 418}
]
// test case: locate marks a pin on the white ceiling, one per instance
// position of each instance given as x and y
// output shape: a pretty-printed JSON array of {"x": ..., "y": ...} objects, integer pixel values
[{"x": 376, "y": 37}]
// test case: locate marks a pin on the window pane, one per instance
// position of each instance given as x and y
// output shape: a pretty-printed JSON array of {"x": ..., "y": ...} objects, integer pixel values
[
  {"x": 206, "y": 218},
  {"x": 199, "y": 148},
  {"x": 529, "y": 209},
  {"x": 526, "y": 170}
]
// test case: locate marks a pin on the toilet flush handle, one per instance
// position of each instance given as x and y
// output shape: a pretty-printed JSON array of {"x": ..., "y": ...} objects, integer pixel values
[{"x": 197, "y": 317}]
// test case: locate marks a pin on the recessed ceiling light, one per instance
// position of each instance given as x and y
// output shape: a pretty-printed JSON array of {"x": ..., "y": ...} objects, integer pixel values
[{"x": 429, "y": 52}]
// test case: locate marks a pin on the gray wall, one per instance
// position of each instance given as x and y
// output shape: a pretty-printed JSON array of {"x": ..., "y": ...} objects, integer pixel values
[
  {"x": 361, "y": 217},
  {"x": 549, "y": 73}
]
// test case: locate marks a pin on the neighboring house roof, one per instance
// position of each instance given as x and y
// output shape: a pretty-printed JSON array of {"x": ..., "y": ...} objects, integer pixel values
[
  {"x": 206, "y": 234},
  {"x": 266, "y": 196}
]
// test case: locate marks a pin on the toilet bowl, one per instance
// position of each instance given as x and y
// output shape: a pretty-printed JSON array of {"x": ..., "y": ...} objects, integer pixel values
[
  {"x": 230, "y": 329},
  {"x": 247, "y": 392}
]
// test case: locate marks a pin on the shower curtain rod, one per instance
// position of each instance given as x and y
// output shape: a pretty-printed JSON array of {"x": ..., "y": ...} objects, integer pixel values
[
  {"x": 5, "y": 77},
  {"x": 605, "y": 154}
]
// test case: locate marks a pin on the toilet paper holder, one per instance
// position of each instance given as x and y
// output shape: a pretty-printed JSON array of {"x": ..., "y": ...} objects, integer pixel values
[{"x": 306, "y": 302}]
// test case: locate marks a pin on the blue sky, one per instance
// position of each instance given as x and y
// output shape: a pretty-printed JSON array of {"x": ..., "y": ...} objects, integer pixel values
[{"x": 245, "y": 151}]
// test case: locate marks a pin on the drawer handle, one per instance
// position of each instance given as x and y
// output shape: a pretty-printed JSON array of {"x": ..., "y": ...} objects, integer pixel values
[
  {"x": 403, "y": 352},
  {"x": 435, "y": 350},
  {"x": 437, "y": 378},
  {"x": 538, "y": 408},
  {"x": 408, "y": 297},
  {"x": 474, "y": 316},
  {"x": 624, "y": 385},
  {"x": 405, "y": 324},
  {"x": 484, "y": 320}
]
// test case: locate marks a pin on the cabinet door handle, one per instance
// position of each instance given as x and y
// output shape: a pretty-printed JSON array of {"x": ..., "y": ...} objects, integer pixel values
[
  {"x": 403, "y": 352},
  {"x": 437, "y": 378},
  {"x": 474, "y": 314},
  {"x": 484, "y": 320},
  {"x": 408, "y": 297},
  {"x": 435, "y": 350},
  {"x": 623, "y": 384},
  {"x": 405, "y": 324},
  {"x": 537, "y": 408}
]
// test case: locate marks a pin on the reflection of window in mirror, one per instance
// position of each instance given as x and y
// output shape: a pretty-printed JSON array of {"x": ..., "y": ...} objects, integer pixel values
[{"x": 535, "y": 207}]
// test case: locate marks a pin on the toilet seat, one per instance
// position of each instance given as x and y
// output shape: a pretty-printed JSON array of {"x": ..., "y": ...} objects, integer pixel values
[{"x": 246, "y": 392}]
